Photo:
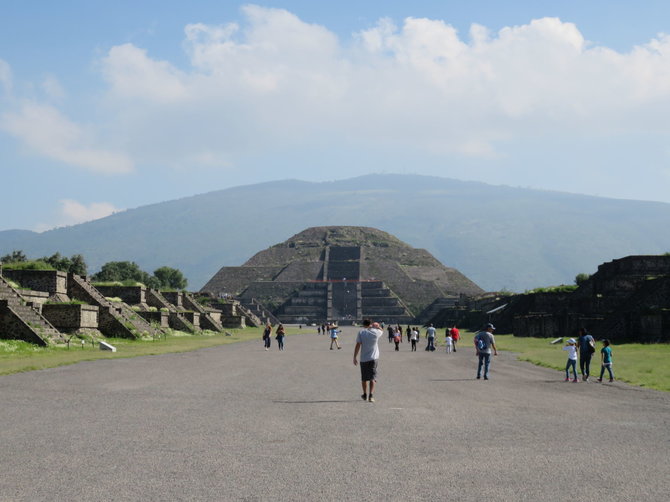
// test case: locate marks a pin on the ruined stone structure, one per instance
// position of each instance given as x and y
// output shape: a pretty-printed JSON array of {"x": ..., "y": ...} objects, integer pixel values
[
  {"x": 20, "y": 320},
  {"x": 342, "y": 274},
  {"x": 43, "y": 312},
  {"x": 627, "y": 299}
]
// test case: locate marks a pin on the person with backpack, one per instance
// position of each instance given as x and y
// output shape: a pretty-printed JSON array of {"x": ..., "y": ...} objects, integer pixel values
[
  {"x": 484, "y": 342},
  {"x": 587, "y": 346}
]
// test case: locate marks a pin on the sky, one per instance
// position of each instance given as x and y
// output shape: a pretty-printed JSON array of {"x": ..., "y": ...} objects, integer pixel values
[{"x": 106, "y": 106}]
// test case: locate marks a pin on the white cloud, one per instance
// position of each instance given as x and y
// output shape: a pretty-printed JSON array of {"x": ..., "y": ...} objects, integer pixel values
[
  {"x": 262, "y": 90},
  {"x": 275, "y": 81},
  {"x": 53, "y": 88},
  {"x": 133, "y": 75},
  {"x": 72, "y": 212},
  {"x": 43, "y": 129}
]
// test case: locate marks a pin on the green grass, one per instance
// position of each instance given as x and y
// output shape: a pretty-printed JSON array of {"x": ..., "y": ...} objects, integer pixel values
[
  {"x": 17, "y": 356},
  {"x": 634, "y": 363}
]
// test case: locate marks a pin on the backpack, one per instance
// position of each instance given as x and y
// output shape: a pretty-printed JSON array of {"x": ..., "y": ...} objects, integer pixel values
[{"x": 481, "y": 343}]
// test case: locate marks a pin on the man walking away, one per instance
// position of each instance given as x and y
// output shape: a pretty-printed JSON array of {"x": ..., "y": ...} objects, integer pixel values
[
  {"x": 367, "y": 343},
  {"x": 455, "y": 336},
  {"x": 430, "y": 335},
  {"x": 587, "y": 346},
  {"x": 484, "y": 341}
]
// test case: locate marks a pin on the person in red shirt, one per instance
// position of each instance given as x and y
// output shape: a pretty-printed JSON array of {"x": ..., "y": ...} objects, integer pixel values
[{"x": 455, "y": 335}]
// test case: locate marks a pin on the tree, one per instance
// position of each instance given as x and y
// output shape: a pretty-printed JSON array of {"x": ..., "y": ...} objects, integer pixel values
[
  {"x": 14, "y": 257},
  {"x": 75, "y": 264},
  {"x": 120, "y": 271},
  {"x": 581, "y": 278},
  {"x": 170, "y": 278},
  {"x": 78, "y": 265}
]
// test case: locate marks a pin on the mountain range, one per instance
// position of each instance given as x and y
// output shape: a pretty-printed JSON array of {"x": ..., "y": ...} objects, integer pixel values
[{"x": 498, "y": 236}]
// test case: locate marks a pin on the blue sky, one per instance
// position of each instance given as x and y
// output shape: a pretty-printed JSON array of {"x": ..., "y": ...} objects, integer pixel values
[{"x": 106, "y": 106}]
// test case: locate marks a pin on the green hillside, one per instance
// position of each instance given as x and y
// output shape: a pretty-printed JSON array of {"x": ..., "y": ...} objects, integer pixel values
[{"x": 499, "y": 237}]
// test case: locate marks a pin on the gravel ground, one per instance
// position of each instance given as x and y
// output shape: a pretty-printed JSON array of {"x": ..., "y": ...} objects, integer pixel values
[{"x": 238, "y": 423}]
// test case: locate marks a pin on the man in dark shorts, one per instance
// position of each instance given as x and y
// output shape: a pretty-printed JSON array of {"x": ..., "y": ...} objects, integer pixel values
[{"x": 367, "y": 344}]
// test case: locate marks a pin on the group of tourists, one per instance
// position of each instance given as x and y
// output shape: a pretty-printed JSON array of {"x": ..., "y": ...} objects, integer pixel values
[
  {"x": 413, "y": 334},
  {"x": 584, "y": 348},
  {"x": 367, "y": 345},
  {"x": 280, "y": 334}
]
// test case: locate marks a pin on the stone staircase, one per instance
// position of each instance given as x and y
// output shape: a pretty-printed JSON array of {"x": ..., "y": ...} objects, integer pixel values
[
  {"x": 309, "y": 304},
  {"x": 176, "y": 319},
  {"x": 206, "y": 319},
  {"x": 427, "y": 315},
  {"x": 115, "y": 319},
  {"x": 256, "y": 314},
  {"x": 21, "y": 321}
]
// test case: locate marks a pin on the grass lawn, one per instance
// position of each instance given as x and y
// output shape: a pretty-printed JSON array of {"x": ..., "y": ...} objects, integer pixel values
[
  {"x": 644, "y": 365},
  {"x": 17, "y": 356}
]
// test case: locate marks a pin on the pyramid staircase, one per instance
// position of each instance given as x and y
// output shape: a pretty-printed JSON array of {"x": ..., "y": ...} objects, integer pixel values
[
  {"x": 176, "y": 318},
  {"x": 22, "y": 322},
  {"x": 115, "y": 319},
  {"x": 206, "y": 319},
  {"x": 256, "y": 314}
]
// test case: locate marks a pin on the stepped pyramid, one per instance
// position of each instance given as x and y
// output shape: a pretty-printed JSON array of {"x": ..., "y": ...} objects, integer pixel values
[{"x": 344, "y": 274}]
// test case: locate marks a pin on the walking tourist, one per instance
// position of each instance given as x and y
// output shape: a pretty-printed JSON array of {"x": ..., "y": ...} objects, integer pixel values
[
  {"x": 397, "y": 338},
  {"x": 455, "y": 335},
  {"x": 449, "y": 342},
  {"x": 571, "y": 347},
  {"x": 430, "y": 335},
  {"x": 280, "y": 333},
  {"x": 414, "y": 337},
  {"x": 267, "y": 333},
  {"x": 484, "y": 341},
  {"x": 606, "y": 360},
  {"x": 333, "y": 337},
  {"x": 587, "y": 346},
  {"x": 367, "y": 343}
]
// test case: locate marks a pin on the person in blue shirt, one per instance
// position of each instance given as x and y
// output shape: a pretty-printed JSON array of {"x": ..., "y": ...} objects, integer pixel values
[{"x": 606, "y": 360}]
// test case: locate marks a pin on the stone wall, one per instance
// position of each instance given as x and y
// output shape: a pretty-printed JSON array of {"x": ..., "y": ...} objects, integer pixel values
[
  {"x": 132, "y": 295},
  {"x": 71, "y": 317},
  {"x": 158, "y": 317},
  {"x": 53, "y": 282},
  {"x": 176, "y": 298},
  {"x": 193, "y": 318},
  {"x": 34, "y": 299}
]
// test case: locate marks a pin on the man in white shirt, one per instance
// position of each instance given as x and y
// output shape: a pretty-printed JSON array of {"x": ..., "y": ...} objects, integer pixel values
[
  {"x": 430, "y": 336},
  {"x": 368, "y": 346}
]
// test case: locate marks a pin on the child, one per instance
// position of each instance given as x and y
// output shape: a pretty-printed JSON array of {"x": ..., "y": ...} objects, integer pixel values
[
  {"x": 333, "y": 338},
  {"x": 606, "y": 361},
  {"x": 397, "y": 338},
  {"x": 450, "y": 342},
  {"x": 414, "y": 338},
  {"x": 571, "y": 347}
]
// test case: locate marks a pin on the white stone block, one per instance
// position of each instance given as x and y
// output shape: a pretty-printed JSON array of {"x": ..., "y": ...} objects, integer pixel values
[{"x": 106, "y": 346}]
